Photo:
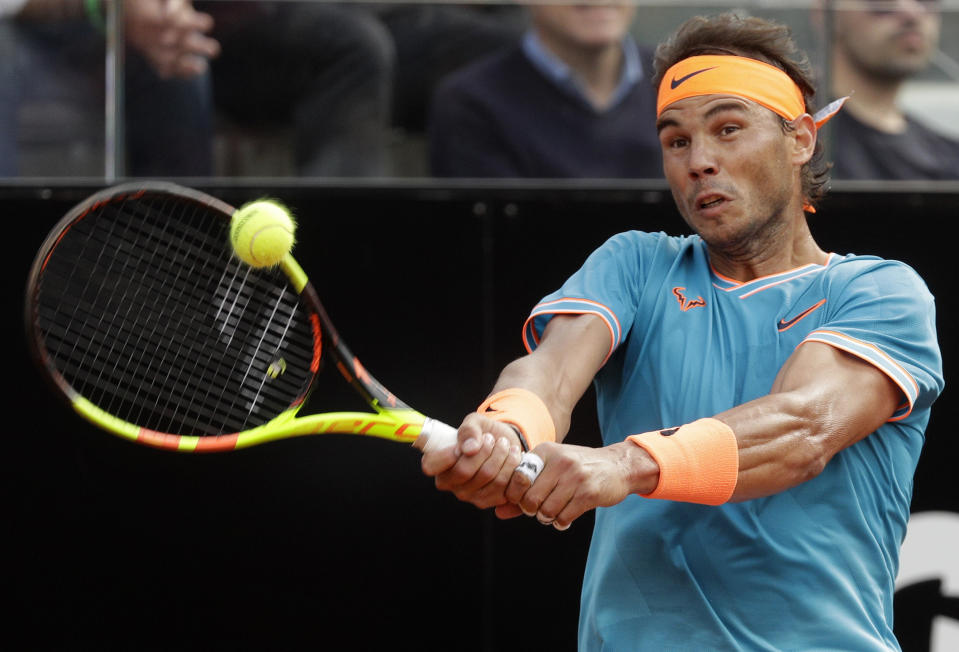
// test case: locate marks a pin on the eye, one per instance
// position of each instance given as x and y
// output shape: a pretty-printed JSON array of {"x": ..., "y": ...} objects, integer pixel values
[
  {"x": 728, "y": 130},
  {"x": 677, "y": 142}
]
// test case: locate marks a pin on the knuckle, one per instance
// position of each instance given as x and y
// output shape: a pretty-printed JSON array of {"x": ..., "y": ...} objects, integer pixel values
[
  {"x": 529, "y": 506},
  {"x": 484, "y": 475}
]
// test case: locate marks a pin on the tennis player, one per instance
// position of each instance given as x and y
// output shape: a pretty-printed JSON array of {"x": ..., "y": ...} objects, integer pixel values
[{"x": 762, "y": 402}]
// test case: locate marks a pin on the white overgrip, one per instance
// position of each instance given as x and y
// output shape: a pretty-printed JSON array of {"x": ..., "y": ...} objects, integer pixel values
[{"x": 435, "y": 435}]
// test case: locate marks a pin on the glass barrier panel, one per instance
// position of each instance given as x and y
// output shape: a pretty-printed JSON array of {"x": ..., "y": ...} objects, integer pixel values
[{"x": 306, "y": 89}]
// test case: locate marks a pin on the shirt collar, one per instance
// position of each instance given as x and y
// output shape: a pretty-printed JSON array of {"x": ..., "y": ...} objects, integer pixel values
[{"x": 563, "y": 76}]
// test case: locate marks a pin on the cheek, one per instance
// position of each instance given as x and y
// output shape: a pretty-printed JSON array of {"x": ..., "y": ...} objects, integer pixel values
[
  {"x": 675, "y": 171},
  {"x": 769, "y": 177},
  {"x": 771, "y": 157}
]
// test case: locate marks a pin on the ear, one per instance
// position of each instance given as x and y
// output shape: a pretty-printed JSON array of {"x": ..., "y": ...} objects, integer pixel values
[{"x": 804, "y": 136}]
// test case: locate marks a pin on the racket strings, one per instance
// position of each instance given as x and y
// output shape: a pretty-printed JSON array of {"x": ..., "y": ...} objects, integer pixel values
[
  {"x": 180, "y": 376},
  {"x": 264, "y": 345},
  {"x": 144, "y": 311}
]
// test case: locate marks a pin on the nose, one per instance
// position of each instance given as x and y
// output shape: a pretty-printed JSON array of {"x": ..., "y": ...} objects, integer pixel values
[{"x": 702, "y": 161}]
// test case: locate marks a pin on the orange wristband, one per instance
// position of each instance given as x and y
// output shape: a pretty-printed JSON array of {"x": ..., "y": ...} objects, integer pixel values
[
  {"x": 698, "y": 462},
  {"x": 524, "y": 410}
]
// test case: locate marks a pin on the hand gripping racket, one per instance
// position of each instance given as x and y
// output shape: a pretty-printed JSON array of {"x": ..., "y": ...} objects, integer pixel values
[{"x": 142, "y": 317}]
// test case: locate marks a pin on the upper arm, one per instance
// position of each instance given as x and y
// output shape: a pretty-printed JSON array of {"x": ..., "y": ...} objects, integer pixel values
[
  {"x": 875, "y": 358},
  {"x": 822, "y": 401},
  {"x": 844, "y": 396},
  {"x": 571, "y": 351}
]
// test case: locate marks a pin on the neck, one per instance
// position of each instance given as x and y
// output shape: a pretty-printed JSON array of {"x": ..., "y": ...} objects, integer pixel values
[
  {"x": 872, "y": 101},
  {"x": 599, "y": 69},
  {"x": 778, "y": 250}
]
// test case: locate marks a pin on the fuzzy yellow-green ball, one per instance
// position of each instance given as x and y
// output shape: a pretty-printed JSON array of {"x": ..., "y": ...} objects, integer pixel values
[{"x": 262, "y": 232}]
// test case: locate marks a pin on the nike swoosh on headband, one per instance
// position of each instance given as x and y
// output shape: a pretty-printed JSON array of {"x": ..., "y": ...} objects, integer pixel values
[{"x": 674, "y": 83}]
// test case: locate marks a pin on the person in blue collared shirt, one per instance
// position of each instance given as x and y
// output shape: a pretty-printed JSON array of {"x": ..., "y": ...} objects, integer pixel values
[{"x": 572, "y": 100}]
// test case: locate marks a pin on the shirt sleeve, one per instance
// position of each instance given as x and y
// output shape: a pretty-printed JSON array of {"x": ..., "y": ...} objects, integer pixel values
[
  {"x": 883, "y": 313},
  {"x": 608, "y": 285}
]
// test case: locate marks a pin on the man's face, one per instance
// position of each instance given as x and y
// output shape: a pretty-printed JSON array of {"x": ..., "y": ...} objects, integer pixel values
[
  {"x": 887, "y": 39},
  {"x": 585, "y": 25},
  {"x": 730, "y": 168}
]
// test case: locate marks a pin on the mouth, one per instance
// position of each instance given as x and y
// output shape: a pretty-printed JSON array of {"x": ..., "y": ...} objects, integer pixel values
[{"x": 709, "y": 201}]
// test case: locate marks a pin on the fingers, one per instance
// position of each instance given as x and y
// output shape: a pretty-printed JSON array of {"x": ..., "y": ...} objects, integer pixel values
[
  {"x": 199, "y": 45},
  {"x": 469, "y": 443},
  {"x": 550, "y": 497},
  {"x": 190, "y": 53},
  {"x": 479, "y": 461},
  {"x": 507, "y": 511},
  {"x": 486, "y": 468},
  {"x": 479, "y": 467},
  {"x": 531, "y": 465},
  {"x": 557, "y": 509},
  {"x": 485, "y": 488},
  {"x": 172, "y": 36},
  {"x": 436, "y": 461}
]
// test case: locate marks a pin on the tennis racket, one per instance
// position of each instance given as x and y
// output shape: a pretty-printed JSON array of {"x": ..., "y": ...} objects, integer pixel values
[{"x": 144, "y": 320}]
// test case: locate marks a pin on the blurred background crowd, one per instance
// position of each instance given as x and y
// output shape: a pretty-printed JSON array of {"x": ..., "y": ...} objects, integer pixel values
[{"x": 305, "y": 88}]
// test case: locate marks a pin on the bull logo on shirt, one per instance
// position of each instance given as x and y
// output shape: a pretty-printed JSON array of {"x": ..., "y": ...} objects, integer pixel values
[{"x": 686, "y": 304}]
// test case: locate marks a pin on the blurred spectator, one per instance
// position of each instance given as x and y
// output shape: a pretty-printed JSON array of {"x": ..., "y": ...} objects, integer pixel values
[
  {"x": 343, "y": 75},
  {"x": 878, "y": 45},
  {"x": 323, "y": 70},
  {"x": 434, "y": 40},
  {"x": 338, "y": 76},
  {"x": 572, "y": 100},
  {"x": 54, "y": 69}
]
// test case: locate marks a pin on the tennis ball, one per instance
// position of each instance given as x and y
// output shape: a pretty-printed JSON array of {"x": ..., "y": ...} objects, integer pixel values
[{"x": 262, "y": 232}]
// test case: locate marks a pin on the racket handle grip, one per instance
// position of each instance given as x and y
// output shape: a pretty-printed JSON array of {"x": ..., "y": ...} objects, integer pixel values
[{"x": 436, "y": 435}]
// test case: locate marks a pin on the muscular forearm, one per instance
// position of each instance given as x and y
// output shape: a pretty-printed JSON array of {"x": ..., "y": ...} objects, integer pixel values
[
  {"x": 539, "y": 379},
  {"x": 560, "y": 370},
  {"x": 785, "y": 438},
  {"x": 783, "y": 441},
  {"x": 823, "y": 401}
]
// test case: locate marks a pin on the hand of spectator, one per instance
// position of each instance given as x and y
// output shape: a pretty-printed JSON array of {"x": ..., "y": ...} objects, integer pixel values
[{"x": 172, "y": 35}]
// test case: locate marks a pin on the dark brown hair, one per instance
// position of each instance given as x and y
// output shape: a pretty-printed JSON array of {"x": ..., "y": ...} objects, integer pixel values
[{"x": 756, "y": 38}]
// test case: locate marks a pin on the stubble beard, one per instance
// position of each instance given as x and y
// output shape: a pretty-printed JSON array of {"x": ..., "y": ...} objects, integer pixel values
[{"x": 755, "y": 239}]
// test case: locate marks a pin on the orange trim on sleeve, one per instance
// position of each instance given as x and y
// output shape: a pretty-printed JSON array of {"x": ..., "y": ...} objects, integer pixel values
[{"x": 835, "y": 339}]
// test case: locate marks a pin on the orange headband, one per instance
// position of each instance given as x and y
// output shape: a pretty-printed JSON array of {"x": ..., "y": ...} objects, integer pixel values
[{"x": 754, "y": 80}]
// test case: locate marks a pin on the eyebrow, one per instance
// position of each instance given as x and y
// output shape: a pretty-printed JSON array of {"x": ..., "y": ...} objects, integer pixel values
[
  {"x": 665, "y": 122},
  {"x": 719, "y": 108}
]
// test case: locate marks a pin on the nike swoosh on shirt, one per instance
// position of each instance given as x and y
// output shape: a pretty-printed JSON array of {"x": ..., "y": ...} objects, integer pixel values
[
  {"x": 787, "y": 324},
  {"x": 674, "y": 83}
]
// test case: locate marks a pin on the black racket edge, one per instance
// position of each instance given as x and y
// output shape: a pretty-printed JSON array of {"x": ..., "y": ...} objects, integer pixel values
[{"x": 114, "y": 193}]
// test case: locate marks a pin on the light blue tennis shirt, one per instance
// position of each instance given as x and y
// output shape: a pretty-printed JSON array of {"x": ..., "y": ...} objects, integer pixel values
[
  {"x": 556, "y": 70},
  {"x": 811, "y": 568}
]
